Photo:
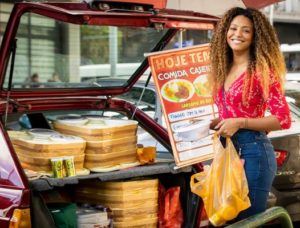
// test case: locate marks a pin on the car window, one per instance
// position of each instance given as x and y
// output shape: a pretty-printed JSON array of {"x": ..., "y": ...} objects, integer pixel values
[
  {"x": 52, "y": 53},
  {"x": 143, "y": 97},
  {"x": 292, "y": 93}
]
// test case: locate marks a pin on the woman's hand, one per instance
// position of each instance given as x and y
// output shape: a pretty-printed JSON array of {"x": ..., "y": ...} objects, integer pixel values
[
  {"x": 228, "y": 127},
  {"x": 214, "y": 123}
]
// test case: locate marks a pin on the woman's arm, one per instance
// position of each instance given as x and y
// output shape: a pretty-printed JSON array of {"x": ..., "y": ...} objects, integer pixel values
[{"x": 229, "y": 127}]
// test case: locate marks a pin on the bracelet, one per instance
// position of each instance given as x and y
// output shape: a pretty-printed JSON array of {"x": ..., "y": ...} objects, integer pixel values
[{"x": 246, "y": 123}]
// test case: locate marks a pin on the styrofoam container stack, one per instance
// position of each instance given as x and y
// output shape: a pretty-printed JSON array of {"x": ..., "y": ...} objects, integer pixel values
[
  {"x": 35, "y": 148},
  {"x": 110, "y": 142},
  {"x": 134, "y": 203}
]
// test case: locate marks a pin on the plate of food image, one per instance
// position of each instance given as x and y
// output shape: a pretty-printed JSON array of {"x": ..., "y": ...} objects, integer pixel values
[
  {"x": 201, "y": 86},
  {"x": 177, "y": 90}
]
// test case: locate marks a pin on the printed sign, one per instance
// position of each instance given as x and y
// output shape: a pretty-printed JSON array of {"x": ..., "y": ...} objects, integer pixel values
[{"x": 180, "y": 77}]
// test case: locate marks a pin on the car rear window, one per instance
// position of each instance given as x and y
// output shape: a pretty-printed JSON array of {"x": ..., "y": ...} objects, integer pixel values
[{"x": 55, "y": 54}]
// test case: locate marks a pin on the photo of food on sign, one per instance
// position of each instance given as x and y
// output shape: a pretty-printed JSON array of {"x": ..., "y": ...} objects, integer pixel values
[
  {"x": 178, "y": 90},
  {"x": 201, "y": 86},
  {"x": 191, "y": 130}
]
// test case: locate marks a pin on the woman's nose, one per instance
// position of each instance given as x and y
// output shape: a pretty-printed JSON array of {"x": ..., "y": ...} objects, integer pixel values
[{"x": 238, "y": 32}]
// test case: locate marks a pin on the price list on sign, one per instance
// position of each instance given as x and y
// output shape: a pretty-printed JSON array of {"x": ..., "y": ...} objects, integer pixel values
[{"x": 181, "y": 79}]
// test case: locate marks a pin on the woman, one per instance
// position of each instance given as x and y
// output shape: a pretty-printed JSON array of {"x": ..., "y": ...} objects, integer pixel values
[{"x": 247, "y": 78}]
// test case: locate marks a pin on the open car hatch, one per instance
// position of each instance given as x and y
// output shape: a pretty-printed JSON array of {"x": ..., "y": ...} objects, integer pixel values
[{"x": 95, "y": 49}]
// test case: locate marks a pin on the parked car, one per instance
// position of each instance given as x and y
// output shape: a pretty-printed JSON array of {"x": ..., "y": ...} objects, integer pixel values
[
  {"x": 42, "y": 38},
  {"x": 286, "y": 186}
]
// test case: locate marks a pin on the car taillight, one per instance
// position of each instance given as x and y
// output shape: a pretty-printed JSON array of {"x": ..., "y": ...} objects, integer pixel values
[
  {"x": 20, "y": 219},
  {"x": 280, "y": 156}
]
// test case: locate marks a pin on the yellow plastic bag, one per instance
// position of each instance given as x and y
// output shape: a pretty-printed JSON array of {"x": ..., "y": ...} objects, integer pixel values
[{"x": 223, "y": 186}]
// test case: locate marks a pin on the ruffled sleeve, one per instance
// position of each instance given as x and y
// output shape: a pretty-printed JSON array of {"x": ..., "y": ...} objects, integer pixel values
[{"x": 278, "y": 106}]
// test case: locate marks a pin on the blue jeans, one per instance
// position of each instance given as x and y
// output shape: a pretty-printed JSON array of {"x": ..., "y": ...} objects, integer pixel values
[{"x": 260, "y": 167}]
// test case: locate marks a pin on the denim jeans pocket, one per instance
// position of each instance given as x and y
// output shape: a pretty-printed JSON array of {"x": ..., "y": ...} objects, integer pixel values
[
  {"x": 269, "y": 150},
  {"x": 251, "y": 153}
]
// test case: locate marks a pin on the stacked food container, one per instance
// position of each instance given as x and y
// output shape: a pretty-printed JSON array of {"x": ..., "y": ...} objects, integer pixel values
[
  {"x": 109, "y": 142},
  {"x": 36, "y": 149},
  {"x": 134, "y": 203}
]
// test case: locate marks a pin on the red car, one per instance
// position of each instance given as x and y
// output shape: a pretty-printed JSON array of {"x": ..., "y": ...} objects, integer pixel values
[{"x": 45, "y": 53}]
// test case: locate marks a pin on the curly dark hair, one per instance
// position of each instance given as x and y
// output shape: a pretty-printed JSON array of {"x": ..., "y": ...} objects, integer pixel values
[{"x": 265, "y": 54}]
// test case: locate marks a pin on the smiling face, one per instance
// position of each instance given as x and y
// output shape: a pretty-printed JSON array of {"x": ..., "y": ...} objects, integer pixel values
[{"x": 240, "y": 34}]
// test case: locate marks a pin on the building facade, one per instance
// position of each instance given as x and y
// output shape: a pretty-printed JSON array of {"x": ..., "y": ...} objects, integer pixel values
[{"x": 285, "y": 17}]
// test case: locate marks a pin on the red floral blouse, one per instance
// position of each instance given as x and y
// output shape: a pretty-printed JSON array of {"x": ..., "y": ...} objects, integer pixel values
[{"x": 230, "y": 103}]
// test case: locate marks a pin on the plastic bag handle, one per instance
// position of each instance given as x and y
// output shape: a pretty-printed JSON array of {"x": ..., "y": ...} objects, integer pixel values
[
  {"x": 216, "y": 140},
  {"x": 195, "y": 185}
]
